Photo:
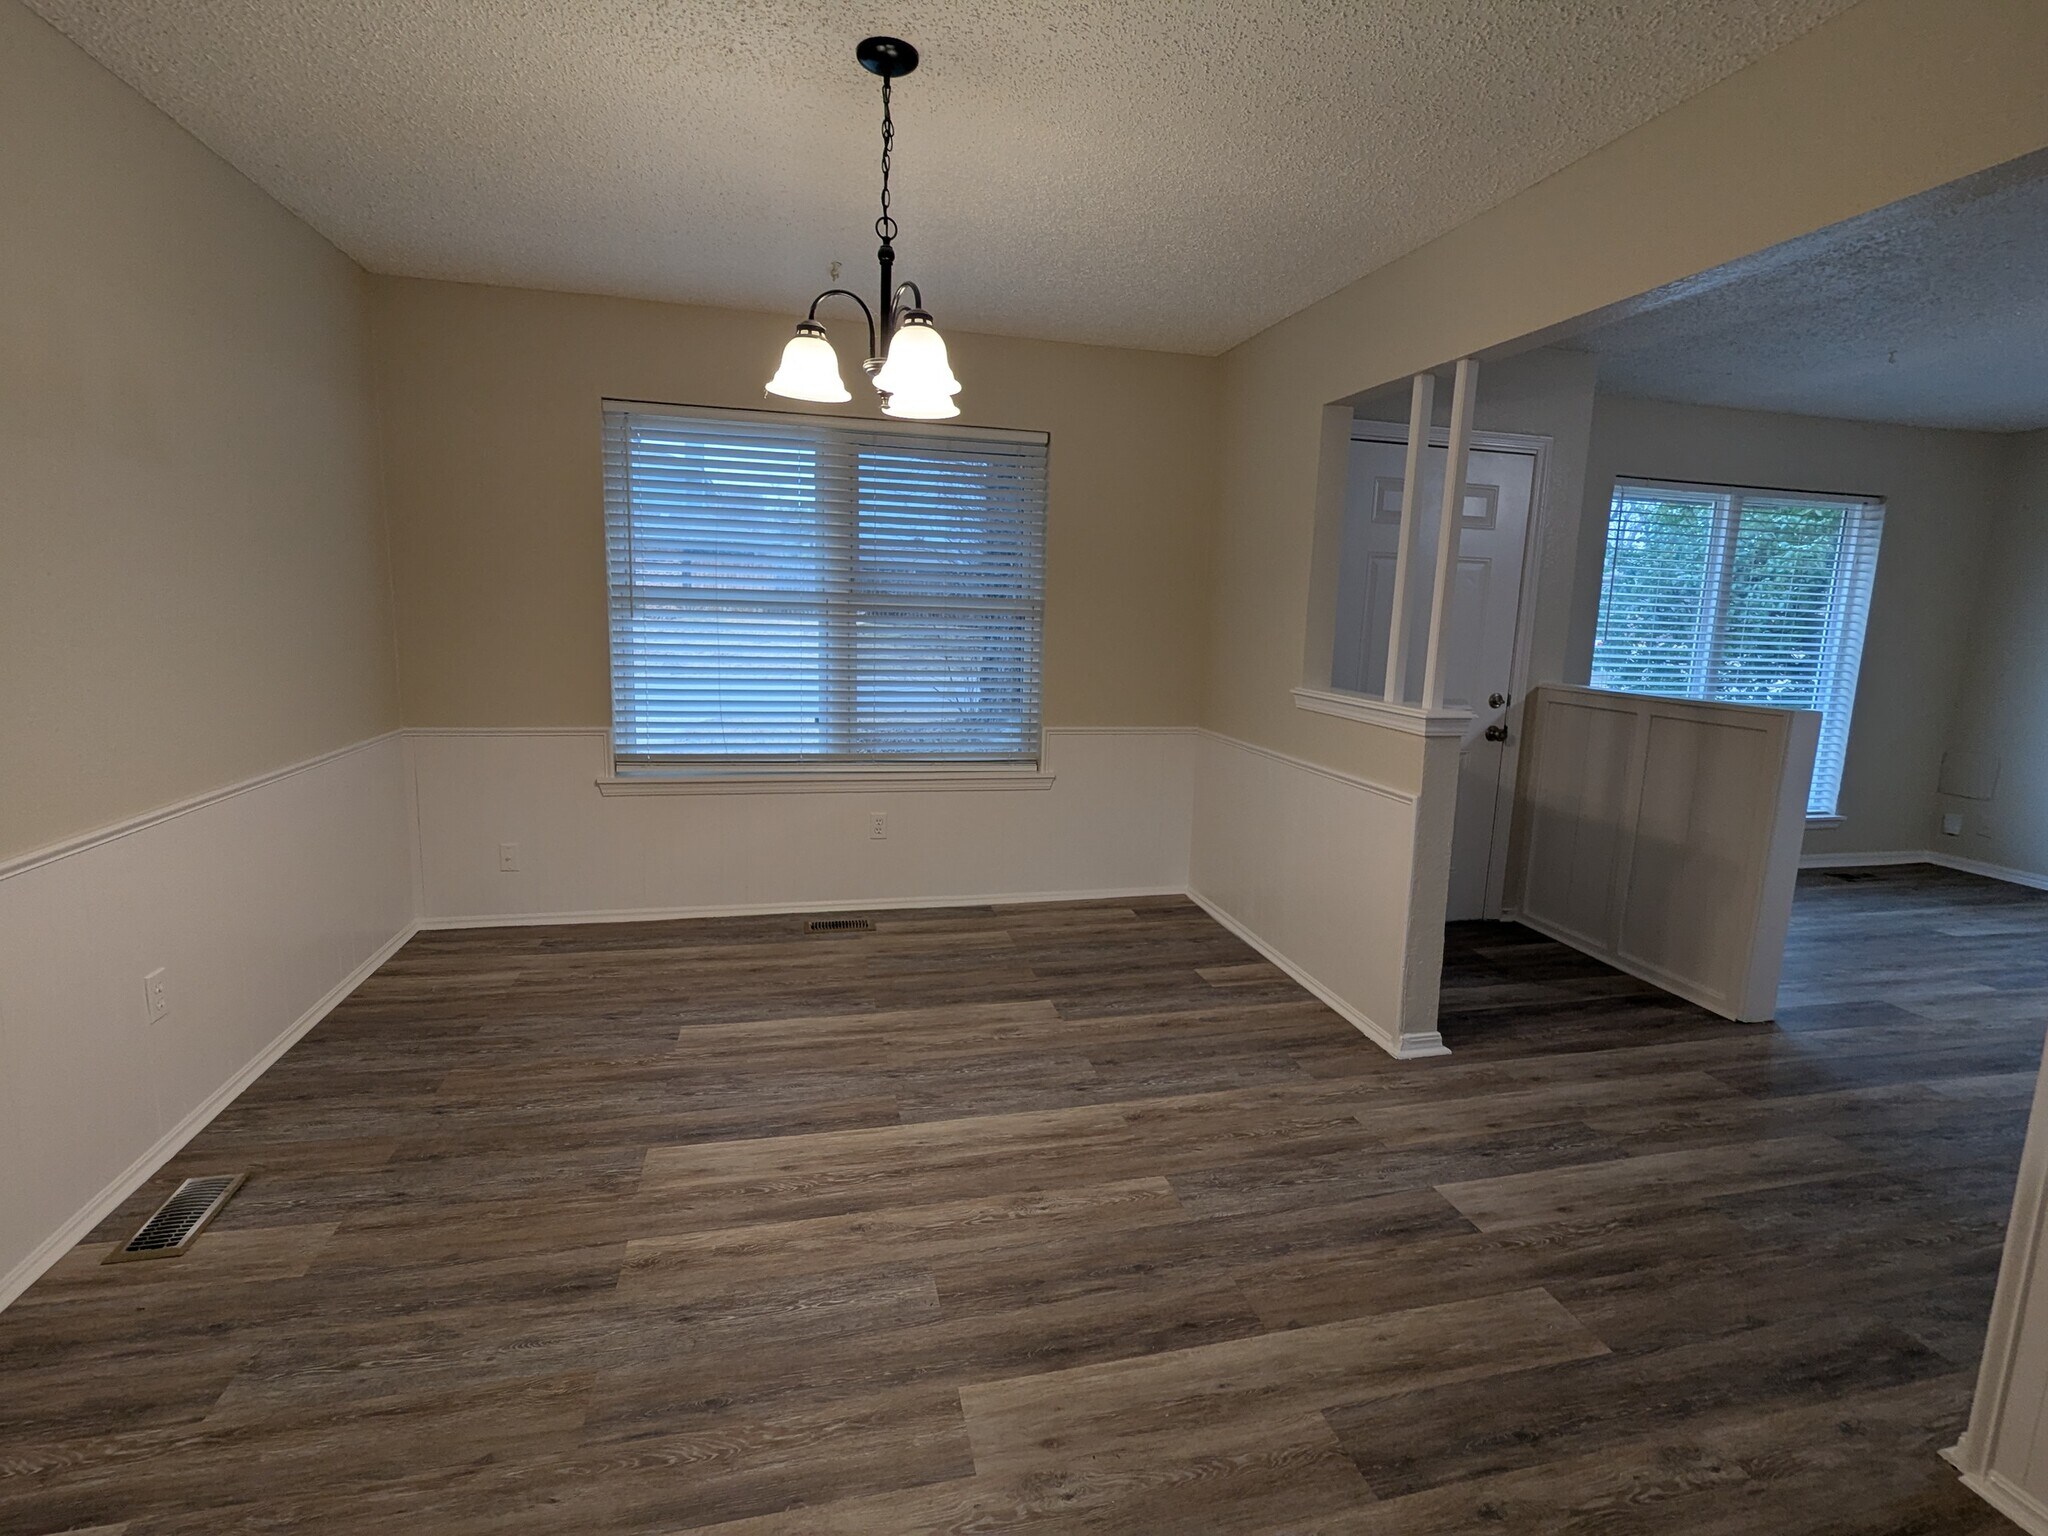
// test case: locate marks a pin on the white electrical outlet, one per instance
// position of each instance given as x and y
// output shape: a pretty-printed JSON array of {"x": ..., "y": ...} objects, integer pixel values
[
  {"x": 156, "y": 995},
  {"x": 508, "y": 858},
  {"x": 1952, "y": 824},
  {"x": 878, "y": 823}
]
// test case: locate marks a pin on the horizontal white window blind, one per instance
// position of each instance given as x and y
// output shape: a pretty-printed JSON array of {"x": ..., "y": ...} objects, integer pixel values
[
  {"x": 1741, "y": 596},
  {"x": 798, "y": 590}
]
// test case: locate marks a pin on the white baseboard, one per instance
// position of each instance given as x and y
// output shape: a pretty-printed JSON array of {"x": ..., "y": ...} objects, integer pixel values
[
  {"x": 2004, "y": 872},
  {"x": 1401, "y": 1048},
  {"x": 1656, "y": 976},
  {"x": 138, "y": 1173},
  {"x": 2017, "y": 1505},
  {"x": 61, "y": 1242},
  {"x": 784, "y": 908},
  {"x": 1864, "y": 860}
]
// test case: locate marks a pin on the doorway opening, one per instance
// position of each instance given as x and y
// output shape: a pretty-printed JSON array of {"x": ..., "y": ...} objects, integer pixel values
[{"x": 1486, "y": 642}]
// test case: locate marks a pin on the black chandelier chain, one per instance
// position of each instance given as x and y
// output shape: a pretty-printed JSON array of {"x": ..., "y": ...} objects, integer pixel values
[
  {"x": 885, "y": 226},
  {"x": 899, "y": 303}
]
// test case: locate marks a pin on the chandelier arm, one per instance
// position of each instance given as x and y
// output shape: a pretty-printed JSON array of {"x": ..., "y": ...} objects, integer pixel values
[
  {"x": 896, "y": 298},
  {"x": 863, "y": 303}
]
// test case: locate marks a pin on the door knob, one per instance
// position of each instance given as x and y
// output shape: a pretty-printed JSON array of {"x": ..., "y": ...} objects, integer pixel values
[
  {"x": 1496, "y": 733},
  {"x": 1496, "y": 700}
]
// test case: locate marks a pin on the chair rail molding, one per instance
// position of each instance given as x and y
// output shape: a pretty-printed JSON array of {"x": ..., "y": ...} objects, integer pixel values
[{"x": 268, "y": 901}]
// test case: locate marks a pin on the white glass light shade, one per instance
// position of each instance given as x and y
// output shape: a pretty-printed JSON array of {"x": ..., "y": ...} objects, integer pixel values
[
  {"x": 917, "y": 364},
  {"x": 810, "y": 368},
  {"x": 920, "y": 407}
]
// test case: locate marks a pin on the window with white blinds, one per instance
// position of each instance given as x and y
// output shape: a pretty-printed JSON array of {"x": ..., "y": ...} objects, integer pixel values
[
  {"x": 1742, "y": 596},
  {"x": 799, "y": 591}
]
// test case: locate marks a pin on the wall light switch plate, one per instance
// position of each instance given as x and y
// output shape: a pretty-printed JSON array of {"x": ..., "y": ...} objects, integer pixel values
[
  {"x": 1952, "y": 824},
  {"x": 508, "y": 857},
  {"x": 156, "y": 995},
  {"x": 878, "y": 823}
]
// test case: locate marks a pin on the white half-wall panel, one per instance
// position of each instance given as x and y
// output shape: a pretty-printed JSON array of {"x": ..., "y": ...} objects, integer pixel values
[
  {"x": 1662, "y": 836},
  {"x": 1312, "y": 867},
  {"x": 1114, "y": 821},
  {"x": 263, "y": 904}
]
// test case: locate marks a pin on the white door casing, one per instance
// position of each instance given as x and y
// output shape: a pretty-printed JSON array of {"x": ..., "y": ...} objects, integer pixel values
[{"x": 1484, "y": 644}]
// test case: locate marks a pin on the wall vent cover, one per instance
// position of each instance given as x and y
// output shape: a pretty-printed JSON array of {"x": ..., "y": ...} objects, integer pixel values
[
  {"x": 840, "y": 925},
  {"x": 180, "y": 1219}
]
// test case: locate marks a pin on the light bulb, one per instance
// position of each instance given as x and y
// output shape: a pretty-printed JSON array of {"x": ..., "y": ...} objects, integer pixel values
[
  {"x": 914, "y": 407},
  {"x": 916, "y": 364},
  {"x": 810, "y": 368}
]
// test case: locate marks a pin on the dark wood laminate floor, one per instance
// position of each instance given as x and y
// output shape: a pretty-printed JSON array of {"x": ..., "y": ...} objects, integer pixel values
[{"x": 1068, "y": 1217}]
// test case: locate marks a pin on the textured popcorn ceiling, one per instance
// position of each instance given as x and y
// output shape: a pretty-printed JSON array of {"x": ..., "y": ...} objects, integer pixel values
[
  {"x": 1167, "y": 173},
  {"x": 1930, "y": 313}
]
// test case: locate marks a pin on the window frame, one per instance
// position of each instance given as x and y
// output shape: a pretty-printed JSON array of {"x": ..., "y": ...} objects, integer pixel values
[
  {"x": 1863, "y": 525},
  {"x": 771, "y": 773}
]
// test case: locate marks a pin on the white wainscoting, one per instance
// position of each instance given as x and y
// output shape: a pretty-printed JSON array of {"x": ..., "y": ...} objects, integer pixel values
[
  {"x": 265, "y": 903},
  {"x": 1662, "y": 836},
  {"x": 1313, "y": 868},
  {"x": 269, "y": 901},
  {"x": 1114, "y": 822}
]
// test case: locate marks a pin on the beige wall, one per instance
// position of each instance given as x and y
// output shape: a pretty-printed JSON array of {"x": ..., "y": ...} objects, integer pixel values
[
  {"x": 1545, "y": 392},
  {"x": 2001, "y": 717},
  {"x": 1888, "y": 99},
  {"x": 192, "y": 579},
  {"x": 1940, "y": 491},
  {"x": 194, "y": 588},
  {"x": 489, "y": 398}
]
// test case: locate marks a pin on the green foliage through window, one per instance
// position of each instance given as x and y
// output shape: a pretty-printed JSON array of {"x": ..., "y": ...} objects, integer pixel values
[{"x": 1746, "y": 597}]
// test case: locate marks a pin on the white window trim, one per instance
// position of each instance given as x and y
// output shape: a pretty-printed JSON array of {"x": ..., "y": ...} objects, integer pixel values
[
  {"x": 823, "y": 782},
  {"x": 730, "y": 777}
]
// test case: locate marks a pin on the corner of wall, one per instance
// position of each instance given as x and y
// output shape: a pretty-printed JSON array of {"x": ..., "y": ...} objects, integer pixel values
[{"x": 374, "y": 341}]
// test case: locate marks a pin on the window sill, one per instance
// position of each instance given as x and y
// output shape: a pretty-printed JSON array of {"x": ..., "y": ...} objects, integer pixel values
[
  {"x": 937, "y": 779},
  {"x": 1824, "y": 821},
  {"x": 1410, "y": 718}
]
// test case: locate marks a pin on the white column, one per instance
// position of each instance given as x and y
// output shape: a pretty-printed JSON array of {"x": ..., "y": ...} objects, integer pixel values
[
  {"x": 1462, "y": 392},
  {"x": 1421, "y": 402}
]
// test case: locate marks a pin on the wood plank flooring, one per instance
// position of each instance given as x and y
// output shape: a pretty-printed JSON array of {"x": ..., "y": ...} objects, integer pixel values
[{"x": 1073, "y": 1217}]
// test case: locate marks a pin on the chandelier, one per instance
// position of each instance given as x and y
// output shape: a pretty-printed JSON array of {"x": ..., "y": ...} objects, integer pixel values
[{"x": 906, "y": 355}]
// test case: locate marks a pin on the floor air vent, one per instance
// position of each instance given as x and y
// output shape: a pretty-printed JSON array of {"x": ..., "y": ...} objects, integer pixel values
[
  {"x": 839, "y": 925},
  {"x": 179, "y": 1219}
]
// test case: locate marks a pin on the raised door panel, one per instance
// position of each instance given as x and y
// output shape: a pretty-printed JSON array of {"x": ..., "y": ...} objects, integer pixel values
[
  {"x": 1580, "y": 770},
  {"x": 1695, "y": 870}
]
